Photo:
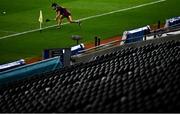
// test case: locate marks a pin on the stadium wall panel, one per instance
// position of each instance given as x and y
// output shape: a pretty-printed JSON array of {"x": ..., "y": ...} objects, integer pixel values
[{"x": 30, "y": 70}]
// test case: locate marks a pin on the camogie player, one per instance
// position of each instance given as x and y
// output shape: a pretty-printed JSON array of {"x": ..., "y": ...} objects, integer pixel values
[{"x": 62, "y": 13}]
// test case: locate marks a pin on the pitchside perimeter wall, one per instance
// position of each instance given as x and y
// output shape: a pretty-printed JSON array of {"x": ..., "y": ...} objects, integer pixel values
[{"x": 30, "y": 70}]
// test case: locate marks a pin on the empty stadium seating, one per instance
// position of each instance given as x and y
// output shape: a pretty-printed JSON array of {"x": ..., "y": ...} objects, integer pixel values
[{"x": 142, "y": 79}]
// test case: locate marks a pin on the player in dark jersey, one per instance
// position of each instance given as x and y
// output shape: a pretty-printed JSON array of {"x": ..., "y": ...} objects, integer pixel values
[{"x": 62, "y": 13}]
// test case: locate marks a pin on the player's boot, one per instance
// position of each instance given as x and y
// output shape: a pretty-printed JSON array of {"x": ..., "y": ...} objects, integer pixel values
[
  {"x": 79, "y": 23},
  {"x": 58, "y": 27}
]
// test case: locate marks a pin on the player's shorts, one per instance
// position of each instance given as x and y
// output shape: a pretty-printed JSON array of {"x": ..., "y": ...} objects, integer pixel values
[{"x": 66, "y": 14}]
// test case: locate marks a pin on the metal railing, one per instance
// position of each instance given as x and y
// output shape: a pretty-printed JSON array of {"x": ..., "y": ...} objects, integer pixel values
[
  {"x": 110, "y": 44},
  {"x": 156, "y": 33},
  {"x": 161, "y": 31}
]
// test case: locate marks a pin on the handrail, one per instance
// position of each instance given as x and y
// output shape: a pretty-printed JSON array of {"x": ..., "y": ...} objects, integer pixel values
[{"x": 98, "y": 46}]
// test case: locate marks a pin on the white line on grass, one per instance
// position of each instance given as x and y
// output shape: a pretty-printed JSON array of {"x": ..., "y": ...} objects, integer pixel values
[{"x": 86, "y": 18}]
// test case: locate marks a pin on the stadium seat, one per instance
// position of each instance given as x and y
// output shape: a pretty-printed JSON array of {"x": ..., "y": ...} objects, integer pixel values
[{"x": 143, "y": 79}]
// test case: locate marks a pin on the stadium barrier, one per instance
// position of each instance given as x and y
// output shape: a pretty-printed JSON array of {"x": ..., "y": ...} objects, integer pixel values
[
  {"x": 12, "y": 65},
  {"x": 166, "y": 30},
  {"x": 30, "y": 70},
  {"x": 135, "y": 35},
  {"x": 49, "y": 53},
  {"x": 100, "y": 47}
]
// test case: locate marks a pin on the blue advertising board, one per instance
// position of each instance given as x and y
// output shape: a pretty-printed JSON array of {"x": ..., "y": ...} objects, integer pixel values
[
  {"x": 135, "y": 35},
  {"x": 173, "y": 22}
]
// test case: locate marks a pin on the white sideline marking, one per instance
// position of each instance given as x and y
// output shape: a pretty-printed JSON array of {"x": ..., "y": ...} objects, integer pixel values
[{"x": 86, "y": 18}]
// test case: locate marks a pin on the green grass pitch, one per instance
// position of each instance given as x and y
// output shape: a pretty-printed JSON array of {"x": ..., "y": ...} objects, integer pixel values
[{"x": 22, "y": 15}]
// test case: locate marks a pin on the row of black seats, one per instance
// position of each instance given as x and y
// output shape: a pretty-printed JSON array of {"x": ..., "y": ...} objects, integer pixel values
[{"x": 143, "y": 79}]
